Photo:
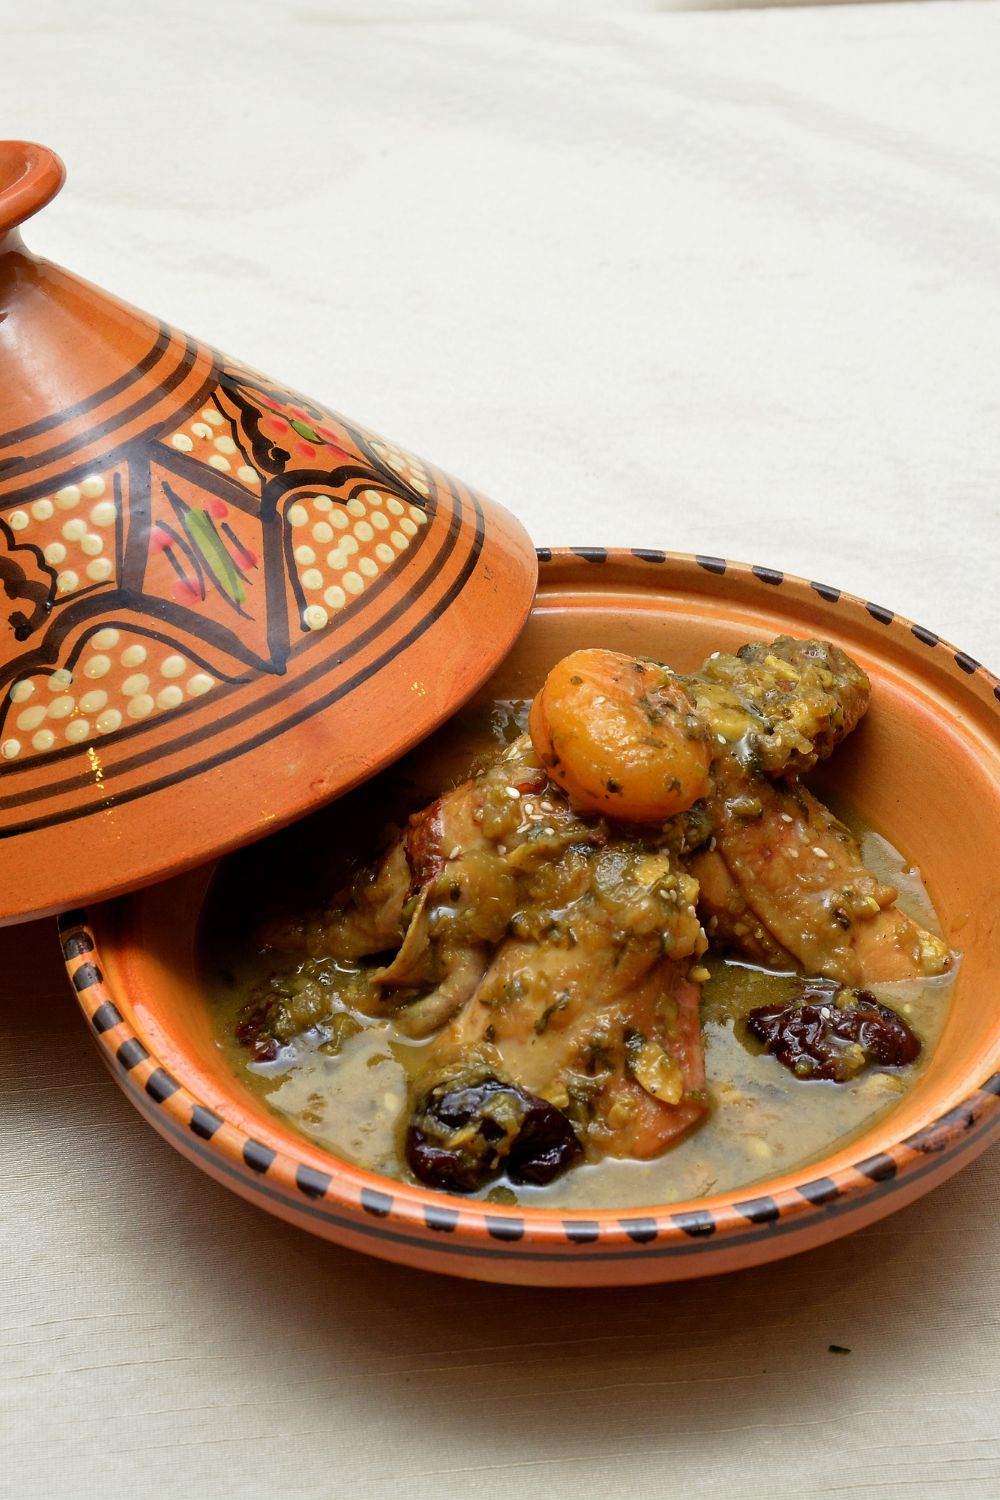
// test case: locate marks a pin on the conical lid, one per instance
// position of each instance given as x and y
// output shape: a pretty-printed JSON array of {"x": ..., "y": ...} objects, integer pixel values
[{"x": 220, "y": 604}]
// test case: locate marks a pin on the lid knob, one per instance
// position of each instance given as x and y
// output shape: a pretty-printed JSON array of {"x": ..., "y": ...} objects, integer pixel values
[{"x": 30, "y": 176}]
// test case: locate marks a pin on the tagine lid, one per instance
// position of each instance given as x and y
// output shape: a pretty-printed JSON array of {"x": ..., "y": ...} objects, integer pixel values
[{"x": 221, "y": 605}]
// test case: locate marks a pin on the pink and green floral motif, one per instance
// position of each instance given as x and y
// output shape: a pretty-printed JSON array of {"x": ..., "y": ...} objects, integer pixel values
[{"x": 253, "y": 484}]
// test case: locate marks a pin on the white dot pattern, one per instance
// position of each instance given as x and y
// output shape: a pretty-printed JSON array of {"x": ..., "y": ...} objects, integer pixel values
[
  {"x": 78, "y": 546},
  {"x": 110, "y": 693},
  {"x": 368, "y": 532},
  {"x": 203, "y": 439}
]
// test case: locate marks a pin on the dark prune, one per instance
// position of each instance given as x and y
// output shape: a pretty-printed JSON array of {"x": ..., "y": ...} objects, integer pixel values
[
  {"x": 253, "y": 1031},
  {"x": 473, "y": 1126},
  {"x": 833, "y": 1033}
]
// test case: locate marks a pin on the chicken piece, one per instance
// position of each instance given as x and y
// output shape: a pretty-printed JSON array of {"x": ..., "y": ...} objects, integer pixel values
[
  {"x": 554, "y": 961},
  {"x": 783, "y": 705},
  {"x": 441, "y": 896},
  {"x": 783, "y": 883},
  {"x": 599, "y": 1015}
]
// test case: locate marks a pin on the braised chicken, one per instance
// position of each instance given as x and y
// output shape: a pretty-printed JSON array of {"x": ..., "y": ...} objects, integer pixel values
[
  {"x": 542, "y": 924},
  {"x": 552, "y": 954},
  {"x": 782, "y": 881}
]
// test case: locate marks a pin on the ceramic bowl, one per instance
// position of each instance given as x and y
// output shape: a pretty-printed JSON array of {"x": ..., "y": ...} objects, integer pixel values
[{"x": 924, "y": 768}]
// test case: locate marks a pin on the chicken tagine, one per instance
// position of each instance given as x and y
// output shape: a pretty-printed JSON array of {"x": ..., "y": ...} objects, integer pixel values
[{"x": 519, "y": 990}]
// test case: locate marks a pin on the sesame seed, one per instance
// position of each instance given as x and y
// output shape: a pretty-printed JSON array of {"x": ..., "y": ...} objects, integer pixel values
[
  {"x": 786, "y": 818},
  {"x": 512, "y": 791},
  {"x": 455, "y": 852},
  {"x": 819, "y": 853}
]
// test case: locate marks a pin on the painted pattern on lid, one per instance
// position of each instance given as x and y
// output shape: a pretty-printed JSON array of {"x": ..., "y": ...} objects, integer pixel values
[{"x": 202, "y": 572}]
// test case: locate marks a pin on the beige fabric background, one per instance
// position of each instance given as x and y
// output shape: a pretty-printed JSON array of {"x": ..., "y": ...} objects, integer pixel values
[{"x": 726, "y": 282}]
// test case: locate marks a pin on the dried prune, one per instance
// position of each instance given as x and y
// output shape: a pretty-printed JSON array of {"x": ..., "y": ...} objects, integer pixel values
[
  {"x": 253, "y": 1031},
  {"x": 833, "y": 1033},
  {"x": 472, "y": 1126}
]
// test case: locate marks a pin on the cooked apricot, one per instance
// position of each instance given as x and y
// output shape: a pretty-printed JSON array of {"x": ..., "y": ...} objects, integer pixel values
[{"x": 621, "y": 736}]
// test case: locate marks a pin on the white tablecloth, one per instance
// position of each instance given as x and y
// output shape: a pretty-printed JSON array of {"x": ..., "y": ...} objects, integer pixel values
[{"x": 721, "y": 282}]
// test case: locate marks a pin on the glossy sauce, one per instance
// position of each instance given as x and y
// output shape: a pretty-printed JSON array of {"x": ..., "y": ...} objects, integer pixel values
[{"x": 349, "y": 1094}]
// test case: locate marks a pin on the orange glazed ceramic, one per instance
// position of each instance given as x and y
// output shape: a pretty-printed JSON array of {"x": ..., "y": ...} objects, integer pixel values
[
  {"x": 221, "y": 604},
  {"x": 924, "y": 767}
]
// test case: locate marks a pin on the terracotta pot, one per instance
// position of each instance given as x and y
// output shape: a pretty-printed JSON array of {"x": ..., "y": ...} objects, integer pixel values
[
  {"x": 220, "y": 604},
  {"x": 924, "y": 767}
]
